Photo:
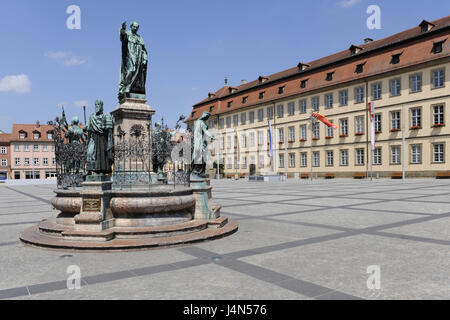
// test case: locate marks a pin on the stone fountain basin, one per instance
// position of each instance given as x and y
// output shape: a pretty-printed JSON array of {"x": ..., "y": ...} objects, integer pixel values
[{"x": 160, "y": 205}]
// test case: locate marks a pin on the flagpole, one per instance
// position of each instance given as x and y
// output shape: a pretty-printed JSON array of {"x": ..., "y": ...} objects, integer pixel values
[
  {"x": 310, "y": 146},
  {"x": 403, "y": 142}
]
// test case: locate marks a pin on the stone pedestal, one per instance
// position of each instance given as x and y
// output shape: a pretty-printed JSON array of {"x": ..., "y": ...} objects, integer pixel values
[
  {"x": 130, "y": 114},
  {"x": 95, "y": 214},
  {"x": 205, "y": 208}
]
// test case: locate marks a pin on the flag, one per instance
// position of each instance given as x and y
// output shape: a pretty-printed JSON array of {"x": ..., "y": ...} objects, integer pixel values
[
  {"x": 270, "y": 140},
  {"x": 372, "y": 123},
  {"x": 324, "y": 120},
  {"x": 238, "y": 145}
]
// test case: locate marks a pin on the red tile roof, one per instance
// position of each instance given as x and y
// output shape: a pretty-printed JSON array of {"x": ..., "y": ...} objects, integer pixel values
[
  {"x": 43, "y": 129},
  {"x": 375, "y": 54}
]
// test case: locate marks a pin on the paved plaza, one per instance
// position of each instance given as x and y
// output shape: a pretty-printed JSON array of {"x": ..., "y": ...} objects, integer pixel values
[{"x": 296, "y": 240}]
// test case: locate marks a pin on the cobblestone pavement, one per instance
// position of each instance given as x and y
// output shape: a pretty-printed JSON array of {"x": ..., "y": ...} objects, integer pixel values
[{"x": 322, "y": 239}]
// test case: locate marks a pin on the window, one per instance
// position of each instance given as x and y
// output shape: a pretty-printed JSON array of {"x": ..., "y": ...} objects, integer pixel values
[
  {"x": 3, "y": 150},
  {"x": 302, "y": 105},
  {"x": 415, "y": 82},
  {"x": 221, "y": 123},
  {"x": 438, "y": 78},
  {"x": 260, "y": 115},
  {"x": 244, "y": 162},
  {"x": 228, "y": 122},
  {"x": 344, "y": 127},
  {"x": 359, "y": 94},
  {"x": 303, "y": 159},
  {"x": 329, "y": 100},
  {"x": 244, "y": 99},
  {"x": 281, "y": 160},
  {"x": 316, "y": 158},
  {"x": 229, "y": 103},
  {"x": 252, "y": 139},
  {"x": 27, "y": 161},
  {"x": 229, "y": 163},
  {"x": 395, "y": 155},
  {"x": 315, "y": 130},
  {"x": 437, "y": 46},
  {"x": 329, "y": 76},
  {"x": 280, "y": 111},
  {"x": 416, "y": 153},
  {"x": 395, "y": 87},
  {"x": 343, "y": 97},
  {"x": 45, "y": 161},
  {"x": 251, "y": 116},
  {"x": 243, "y": 140},
  {"x": 416, "y": 118},
  {"x": 235, "y": 120},
  {"x": 359, "y": 68},
  {"x": 303, "y": 83},
  {"x": 4, "y": 163},
  {"x": 36, "y": 161},
  {"x": 329, "y": 158},
  {"x": 438, "y": 152},
  {"x": 270, "y": 113},
  {"x": 261, "y": 95},
  {"x": 377, "y": 156},
  {"x": 377, "y": 122},
  {"x": 359, "y": 125},
  {"x": 281, "y": 135},
  {"x": 26, "y": 147},
  {"x": 243, "y": 118},
  {"x": 291, "y": 108},
  {"x": 291, "y": 160},
  {"x": 395, "y": 120},
  {"x": 261, "y": 161},
  {"x": 53, "y": 161},
  {"x": 396, "y": 58},
  {"x": 260, "y": 137},
  {"x": 22, "y": 135},
  {"x": 438, "y": 115},
  {"x": 35, "y": 136},
  {"x": 36, "y": 147},
  {"x": 329, "y": 131},
  {"x": 315, "y": 103},
  {"x": 16, "y": 148},
  {"x": 344, "y": 157},
  {"x": 281, "y": 90},
  {"x": 292, "y": 134},
  {"x": 303, "y": 132},
  {"x": 17, "y": 161},
  {"x": 376, "y": 91},
  {"x": 228, "y": 142},
  {"x": 359, "y": 157}
]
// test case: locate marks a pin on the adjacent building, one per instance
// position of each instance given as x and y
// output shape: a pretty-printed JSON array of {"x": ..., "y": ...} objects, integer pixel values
[
  {"x": 5, "y": 162},
  {"x": 32, "y": 152},
  {"x": 406, "y": 77}
]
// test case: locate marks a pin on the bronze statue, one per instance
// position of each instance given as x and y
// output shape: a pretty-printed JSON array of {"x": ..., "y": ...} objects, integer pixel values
[
  {"x": 134, "y": 63},
  {"x": 200, "y": 152},
  {"x": 100, "y": 152}
]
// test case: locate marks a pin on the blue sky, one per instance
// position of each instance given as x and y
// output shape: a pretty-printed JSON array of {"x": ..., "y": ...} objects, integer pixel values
[{"x": 193, "y": 45}]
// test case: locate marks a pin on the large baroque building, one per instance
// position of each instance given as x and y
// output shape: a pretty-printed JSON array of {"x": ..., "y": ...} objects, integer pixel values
[{"x": 406, "y": 77}]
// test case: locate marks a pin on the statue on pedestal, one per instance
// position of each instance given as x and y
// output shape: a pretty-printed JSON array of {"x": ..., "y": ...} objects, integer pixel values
[
  {"x": 75, "y": 134},
  {"x": 100, "y": 152},
  {"x": 133, "y": 72},
  {"x": 200, "y": 152}
]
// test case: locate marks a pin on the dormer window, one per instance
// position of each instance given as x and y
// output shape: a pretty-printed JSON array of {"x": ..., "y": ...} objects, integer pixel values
[
  {"x": 360, "y": 68},
  {"x": 281, "y": 90},
  {"x": 49, "y": 136},
  {"x": 425, "y": 26},
  {"x": 354, "y": 49},
  {"x": 303, "y": 83},
  {"x": 211, "y": 109},
  {"x": 193, "y": 114},
  {"x": 437, "y": 46},
  {"x": 244, "y": 99},
  {"x": 302, "y": 66},
  {"x": 232, "y": 89},
  {"x": 262, "y": 79},
  {"x": 229, "y": 103},
  {"x": 396, "y": 58},
  {"x": 36, "y": 135},
  {"x": 329, "y": 76},
  {"x": 22, "y": 134},
  {"x": 261, "y": 94},
  {"x": 211, "y": 95}
]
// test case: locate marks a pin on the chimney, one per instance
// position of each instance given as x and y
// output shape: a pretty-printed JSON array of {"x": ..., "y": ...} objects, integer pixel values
[
  {"x": 367, "y": 40},
  {"x": 37, "y": 124},
  {"x": 243, "y": 81}
]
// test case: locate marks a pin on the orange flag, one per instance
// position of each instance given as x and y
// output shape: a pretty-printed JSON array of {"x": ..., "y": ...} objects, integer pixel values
[{"x": 324, "y": 120}]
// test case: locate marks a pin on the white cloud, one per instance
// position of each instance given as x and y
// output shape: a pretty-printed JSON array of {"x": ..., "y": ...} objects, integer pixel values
[
  {"x": 348, "y": 3},
  {"x": 64, "y": 57},
  {"x": 81, "y": 103},
  {"x": 17, "y": 83}
]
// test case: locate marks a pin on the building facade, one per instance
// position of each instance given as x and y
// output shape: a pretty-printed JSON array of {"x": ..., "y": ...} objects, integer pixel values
[
  {"x": 32, "y": 152},
  {"x": 406, "y": 77},
  {"x": 5, "y": 161}
]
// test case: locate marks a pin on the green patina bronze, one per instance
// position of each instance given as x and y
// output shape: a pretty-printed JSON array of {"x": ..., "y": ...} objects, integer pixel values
[
  {"x": 133, "y": 72},
  {"x": 200, "y": 142},
  {"x": 100, "y": 152}
]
